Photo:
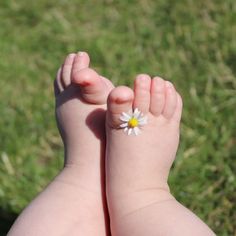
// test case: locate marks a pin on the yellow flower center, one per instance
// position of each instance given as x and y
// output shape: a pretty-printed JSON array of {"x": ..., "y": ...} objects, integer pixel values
[{"x": 133, "y": 122}]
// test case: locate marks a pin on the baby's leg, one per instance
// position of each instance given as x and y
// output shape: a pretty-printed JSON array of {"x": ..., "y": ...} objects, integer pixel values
[
  {"x": 137, "y": 167},
  {"x": 74, "y": 203}
]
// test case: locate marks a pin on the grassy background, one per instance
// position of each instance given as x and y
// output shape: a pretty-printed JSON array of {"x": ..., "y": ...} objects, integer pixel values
[{"x": 191, "y": 43}]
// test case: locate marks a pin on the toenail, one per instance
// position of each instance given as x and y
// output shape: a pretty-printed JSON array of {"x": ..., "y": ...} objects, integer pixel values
[
  {"x": 80, "y": 54},
  {"x": 169, "y": 84},
  {"x": 159, "y": 79},
  {"x": 71, "y": 55},
  {"x": 142, "y": 77},
  {"x": 133, "y": 121}
]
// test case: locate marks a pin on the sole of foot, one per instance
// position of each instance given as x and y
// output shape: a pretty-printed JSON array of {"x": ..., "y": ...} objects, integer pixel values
[
  {"x": 81, "y": 96},
  {"x": 74, "y": 202},
  {"x": 152, "y": 152},
  {"x": 142, "y": 128}
]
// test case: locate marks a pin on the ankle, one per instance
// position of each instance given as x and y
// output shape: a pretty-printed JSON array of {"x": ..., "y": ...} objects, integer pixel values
[
  {"x": 78, "y": 179},
  {"x": 130, "y": 202}
]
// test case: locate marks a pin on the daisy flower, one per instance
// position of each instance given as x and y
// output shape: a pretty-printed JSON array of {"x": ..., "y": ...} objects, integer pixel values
[{"x": 132, "y": 121}]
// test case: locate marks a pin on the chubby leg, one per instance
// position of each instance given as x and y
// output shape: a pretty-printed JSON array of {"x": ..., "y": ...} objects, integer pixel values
[
  {"x": 138, "y": 161},
  {"x": 74, "y": 202}
]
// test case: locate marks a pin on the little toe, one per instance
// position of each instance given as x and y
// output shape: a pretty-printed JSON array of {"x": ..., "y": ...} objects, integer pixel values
[
  {"x": 178, "y": 111},
  {"x": 58, "y": 86},
  {"x": 120, "y": 100},
  {"x": 66, "y": 69},
  {"x": 93, "y": 87},
  {"x": 157, "y": 96},
  {"x": 142, "y": 86},
  {"x": 170, "y": 100}
]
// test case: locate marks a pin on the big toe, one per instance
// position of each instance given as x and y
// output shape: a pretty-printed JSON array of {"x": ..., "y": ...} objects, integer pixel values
[
  {"x": 120, "y": 100},
  {"x": 93, "y": 87}
]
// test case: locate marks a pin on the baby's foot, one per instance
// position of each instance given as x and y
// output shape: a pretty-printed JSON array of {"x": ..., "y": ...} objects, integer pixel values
[
  {"x": 137, "y": 166},
  {"x": 74, "y": 203},
  {"x": 142, "y": 162},
  {"x": 81, "y": 96}
]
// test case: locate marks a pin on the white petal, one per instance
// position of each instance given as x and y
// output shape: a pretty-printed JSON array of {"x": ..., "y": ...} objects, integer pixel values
[
  {"x": 140, "y": 115},
  {"x": 124, "y": 125},
  {"x": 130, "y": 131},
  {"x": 126, "y": 115},
  {"x": 125, "y": 119},
  {"x": 142, "y": 121},
  {"x": 126, "y": 129},
  {"x": 130, "y": 113},
  {"x": 136, "y": 113},
  {"x": 136, "y": 131}
]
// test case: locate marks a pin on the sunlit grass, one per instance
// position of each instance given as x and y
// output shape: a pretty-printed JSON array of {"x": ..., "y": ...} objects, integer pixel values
[{"x": 191, "y": 43}]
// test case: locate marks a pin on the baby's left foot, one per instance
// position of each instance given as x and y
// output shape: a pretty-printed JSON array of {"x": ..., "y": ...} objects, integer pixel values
[
  {"x": 145, "y": 141},
  {"x": 142, "y": 139}
]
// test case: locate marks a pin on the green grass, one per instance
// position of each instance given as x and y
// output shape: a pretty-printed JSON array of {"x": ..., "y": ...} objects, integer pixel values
[{"x": 191, "y": 43}]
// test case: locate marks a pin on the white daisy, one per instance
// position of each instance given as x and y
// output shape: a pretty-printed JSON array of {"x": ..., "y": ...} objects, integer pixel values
[{"x": 133, "y": 120}]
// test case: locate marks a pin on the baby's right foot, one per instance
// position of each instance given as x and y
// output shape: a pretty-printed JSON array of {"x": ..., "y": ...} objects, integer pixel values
[
  {"x": 74, "y": 202},
  {"x": 138, "y": 164}
]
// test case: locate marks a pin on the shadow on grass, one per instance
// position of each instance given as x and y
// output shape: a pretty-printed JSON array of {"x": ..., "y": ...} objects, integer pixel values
[{"x": 6, "y": 221}]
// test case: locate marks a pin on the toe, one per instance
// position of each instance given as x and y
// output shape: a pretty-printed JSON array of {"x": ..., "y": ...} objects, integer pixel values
[
  {"x": 170, "y": 100},
  {"x": 93, "y": 87},
  {"x": 58, "y": 87},
  {"x": 66, "y": 69},
  {"x": 119, "y": 100},
  {"x": 178, "y": 111},
  {"x": 81, "y": 61},
  {"x": 157, "y": 96},
  {"x": 107, "y": 82},
  {"x": 142, "y": 86}
]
